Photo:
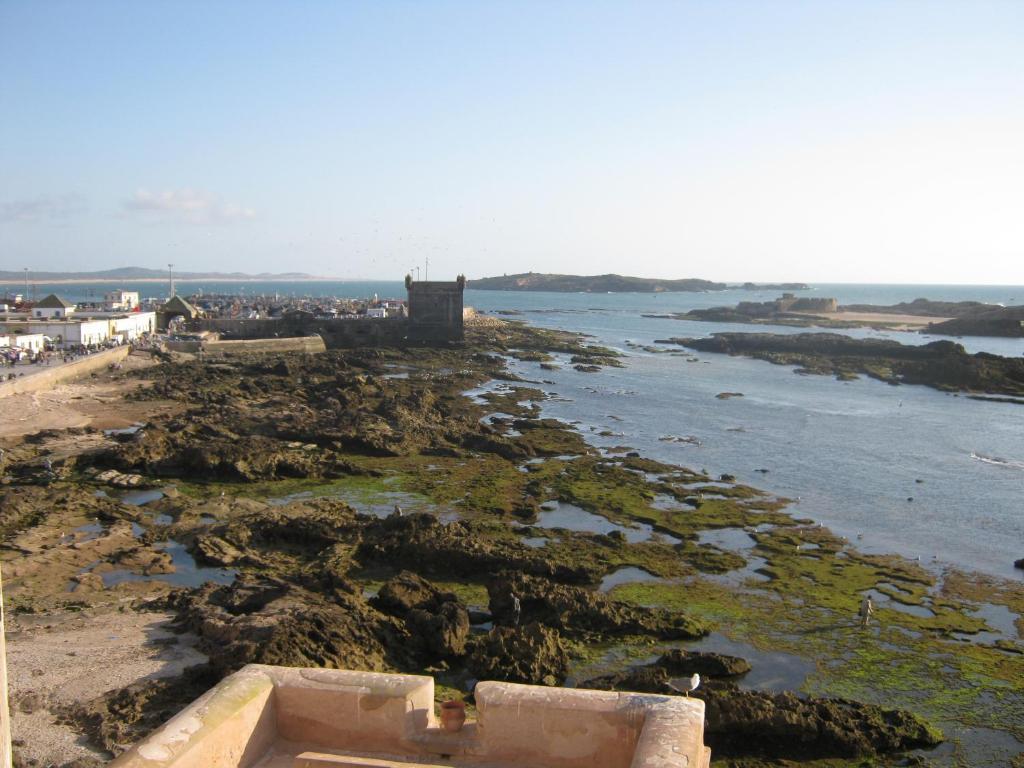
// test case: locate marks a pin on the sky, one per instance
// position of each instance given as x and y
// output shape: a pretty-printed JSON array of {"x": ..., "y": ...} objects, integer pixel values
[{"x": 819, "y": 141}]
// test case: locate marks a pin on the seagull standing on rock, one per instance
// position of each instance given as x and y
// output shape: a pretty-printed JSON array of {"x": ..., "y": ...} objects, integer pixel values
[{"x": 685, "y": 684}]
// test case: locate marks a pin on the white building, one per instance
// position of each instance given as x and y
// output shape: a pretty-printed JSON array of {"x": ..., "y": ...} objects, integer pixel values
[
  {"x": 34, "y": 342},
  {"x": 132, "y": 325},
  {"x": 64, "y": 332},
  {"x": 120, "y": 301},
  {"x": 85, "y": 329},
  {"x": 53, "y": 306}
]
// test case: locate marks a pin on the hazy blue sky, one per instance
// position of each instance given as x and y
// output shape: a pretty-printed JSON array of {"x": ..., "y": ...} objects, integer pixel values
[{"x": 824, "y": 141}]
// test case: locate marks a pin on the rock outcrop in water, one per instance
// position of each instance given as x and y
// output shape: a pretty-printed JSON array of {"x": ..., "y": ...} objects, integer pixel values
[
  {"x": 761, "y": 724},
  {"x": 270, "y": 621},
  {"x": 581, "y": 612},
  {"x": 533, "y": 654},
  {"x": 536, "y": 281},
  {"x": 943, "y": 365},
  {"x": 992, "y": 321},
  {"x": 436, "y": 620},
  {"x": 455, "y": 549}
]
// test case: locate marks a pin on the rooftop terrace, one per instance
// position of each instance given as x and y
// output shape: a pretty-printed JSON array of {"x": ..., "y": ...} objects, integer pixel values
[{"x": 279, "y": 717}]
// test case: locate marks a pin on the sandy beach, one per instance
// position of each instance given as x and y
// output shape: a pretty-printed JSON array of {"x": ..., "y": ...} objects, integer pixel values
[{"x": 892, "y": 321}]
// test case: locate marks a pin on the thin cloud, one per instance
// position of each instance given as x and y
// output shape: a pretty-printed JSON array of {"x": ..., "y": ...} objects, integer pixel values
[
  {"x": 43, "y": 207},
  {"x": 186, "y": 205}
]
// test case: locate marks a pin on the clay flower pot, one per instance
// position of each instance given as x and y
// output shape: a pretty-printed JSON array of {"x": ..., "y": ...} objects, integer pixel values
[{"x": 453, "y": 715}]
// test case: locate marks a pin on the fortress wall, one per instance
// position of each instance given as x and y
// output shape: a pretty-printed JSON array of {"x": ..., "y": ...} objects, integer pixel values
[
  {"x": 337, "y": 334},
  {"x": 47, "y": 378},
  {"x": 435, "y": 317},
  {"x": 815, "y": 305},
  {"x": 435, "y": 311},
  {"x": 307, "y": 344}
]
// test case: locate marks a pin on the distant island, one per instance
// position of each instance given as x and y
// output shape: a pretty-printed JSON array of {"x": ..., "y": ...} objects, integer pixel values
[
  {"x": 944, "y": 318},
  {"x": 142, "y": 274},
  {"x": 775, "y": 287},
  {"x": 536, "y": 281}
]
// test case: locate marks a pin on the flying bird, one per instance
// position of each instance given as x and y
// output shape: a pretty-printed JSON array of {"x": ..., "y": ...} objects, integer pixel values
[{"x": 685, "y": 684}]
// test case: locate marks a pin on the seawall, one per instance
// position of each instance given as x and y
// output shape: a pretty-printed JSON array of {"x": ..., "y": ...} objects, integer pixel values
[
  {"x": 47, "y": 378},
  {"x": 338, "y": 334},
  {"x": 308, "y": 344}
]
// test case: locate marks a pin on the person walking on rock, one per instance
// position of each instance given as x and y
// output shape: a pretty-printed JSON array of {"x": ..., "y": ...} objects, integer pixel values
[
  {"x": 517, "y": 609},
  {"x": 867, "y": 609}
]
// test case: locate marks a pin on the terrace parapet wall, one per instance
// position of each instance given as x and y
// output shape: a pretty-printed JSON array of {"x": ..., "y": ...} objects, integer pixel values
[{"x": 282, "y": 717}]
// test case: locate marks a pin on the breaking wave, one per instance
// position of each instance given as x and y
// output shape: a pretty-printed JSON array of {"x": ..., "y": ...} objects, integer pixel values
[{"x": 1011, "y": 463}]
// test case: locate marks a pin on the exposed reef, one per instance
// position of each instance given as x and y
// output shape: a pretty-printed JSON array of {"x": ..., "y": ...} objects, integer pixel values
[
  {"x": 377, "y": 509},
  {"x": 760, "y": 724},
  {"x": 944, "y": 318},
  {"x": 536, "y": 281},
  {"x": 990, "y": 321},
  {"x": 942, "y": 365}
]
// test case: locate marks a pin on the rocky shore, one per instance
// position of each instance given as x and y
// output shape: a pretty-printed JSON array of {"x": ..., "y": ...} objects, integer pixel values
[
  {"x": 943, "y": 318},
  {"x": 378, "y": 509},
  {"x": 942, "y": 365}
]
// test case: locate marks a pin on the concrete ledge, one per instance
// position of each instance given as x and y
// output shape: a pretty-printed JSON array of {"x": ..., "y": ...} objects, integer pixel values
[
  {"x": 232, "y": 724},
  {"x": 307, "y": 344},
  {"x": 48, "y": 378}
]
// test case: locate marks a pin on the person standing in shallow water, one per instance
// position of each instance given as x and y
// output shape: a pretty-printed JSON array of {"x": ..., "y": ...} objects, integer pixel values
[{"x": 867, "y": 609}]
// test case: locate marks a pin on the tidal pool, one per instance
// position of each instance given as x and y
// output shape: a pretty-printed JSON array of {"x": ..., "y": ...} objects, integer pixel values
[
  {"x": 140, "y": 498},
  {"x": 570, "y": 517},
  {"x": 628, "y": 575},
  {"x": 187, "y": 573}
]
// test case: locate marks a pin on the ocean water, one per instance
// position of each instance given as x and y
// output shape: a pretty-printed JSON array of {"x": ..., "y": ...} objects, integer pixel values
[
  {"x": 80, "y": 292},
  {"x": 850, "y": 454}
]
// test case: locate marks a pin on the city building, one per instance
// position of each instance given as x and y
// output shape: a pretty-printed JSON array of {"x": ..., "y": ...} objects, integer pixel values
[
  {"x": 121, "y": 301},
  {"x": 175, "y": 311},
  {"x": 88, "y": 329},
  {"x": 28, "y": 342},
  {"x": 53, "y": 306}
]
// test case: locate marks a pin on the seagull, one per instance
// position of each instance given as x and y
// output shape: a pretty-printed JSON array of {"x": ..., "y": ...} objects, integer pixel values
[{"x": 684, "y": 685}]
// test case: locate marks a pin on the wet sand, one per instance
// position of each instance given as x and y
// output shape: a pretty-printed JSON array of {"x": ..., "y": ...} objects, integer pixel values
[
  {"x": 58, "y": 660},
  {"x": 893, "y": 321}
]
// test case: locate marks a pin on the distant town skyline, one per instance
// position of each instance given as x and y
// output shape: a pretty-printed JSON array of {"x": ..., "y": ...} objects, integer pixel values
[{"x": 733, "y": 141}]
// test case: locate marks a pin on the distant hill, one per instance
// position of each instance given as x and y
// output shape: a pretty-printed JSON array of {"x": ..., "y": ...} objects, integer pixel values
[
  {"x": 142, "y": 273},
  {"x": 535, "y": 281}
]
